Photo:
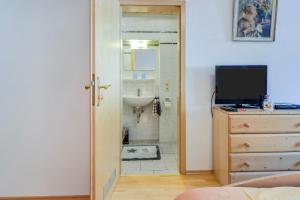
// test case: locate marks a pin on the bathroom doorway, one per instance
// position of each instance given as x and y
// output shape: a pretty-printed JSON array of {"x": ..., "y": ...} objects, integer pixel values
[{"x": 153, "y": 114}]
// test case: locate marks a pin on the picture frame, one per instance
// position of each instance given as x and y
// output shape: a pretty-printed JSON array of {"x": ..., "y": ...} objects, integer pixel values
[{"x": 254, "y": 20}]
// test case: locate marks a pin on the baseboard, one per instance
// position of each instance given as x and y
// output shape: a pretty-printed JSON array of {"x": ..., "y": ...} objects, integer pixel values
[
  {"x": 75, "y": 197},
  {"x": 199, "y": 172}
]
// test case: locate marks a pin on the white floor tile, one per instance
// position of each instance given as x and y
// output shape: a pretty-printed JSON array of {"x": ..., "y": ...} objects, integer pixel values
[
  {"x": 159, "y": 165},
  {"x": 167, "y": 165},
  {"x": 131, "y": 166},
  {"x": 171, "y": 165},
  {"x": 168, "y": 157},
  {"x": 146, "y": 165},
  {"x": 146, "y": 172},
  {"x": 167, "y": 172}
]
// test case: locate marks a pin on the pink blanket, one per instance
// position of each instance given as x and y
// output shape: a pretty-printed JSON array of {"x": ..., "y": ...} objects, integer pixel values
[
  {"x": 224, "y": 193},
  {"x": 285, "y": 186},
  {"x": 242, "y": 193}
]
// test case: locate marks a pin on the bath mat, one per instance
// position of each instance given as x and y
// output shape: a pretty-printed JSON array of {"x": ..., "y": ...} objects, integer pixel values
[{"x": 140, "y": 152}]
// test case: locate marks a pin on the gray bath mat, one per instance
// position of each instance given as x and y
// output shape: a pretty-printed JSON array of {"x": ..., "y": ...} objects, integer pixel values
[{"x": 140, "y": 152}]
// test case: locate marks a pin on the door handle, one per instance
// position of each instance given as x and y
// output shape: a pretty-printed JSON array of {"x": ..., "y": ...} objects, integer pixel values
[
  {"x": 105, "y": 87},
  {"x": 100, "y": 97},
  {"x": 87, "y": 87},
  {"x": 92, "y": 87}
]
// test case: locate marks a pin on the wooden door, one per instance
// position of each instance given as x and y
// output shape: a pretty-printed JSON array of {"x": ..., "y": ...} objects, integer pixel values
[{"x": 106, "y": 112}]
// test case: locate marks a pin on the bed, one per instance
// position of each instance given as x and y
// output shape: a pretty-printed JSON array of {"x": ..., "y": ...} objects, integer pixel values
[{"x": 278, "y": 187}]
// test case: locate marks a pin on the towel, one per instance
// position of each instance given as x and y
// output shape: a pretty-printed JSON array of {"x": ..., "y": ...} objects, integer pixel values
[{"x": 156, "y": 109}]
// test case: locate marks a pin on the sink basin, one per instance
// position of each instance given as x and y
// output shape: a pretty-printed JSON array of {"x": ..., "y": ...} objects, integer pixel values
[{"x": 138, "y": 100}]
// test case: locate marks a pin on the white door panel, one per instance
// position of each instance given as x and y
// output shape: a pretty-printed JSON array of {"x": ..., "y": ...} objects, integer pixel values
[{"x": 108, "y": 112}]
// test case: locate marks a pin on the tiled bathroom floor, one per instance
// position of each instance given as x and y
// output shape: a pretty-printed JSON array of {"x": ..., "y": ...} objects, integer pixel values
[{"x": 166, "y": 165}]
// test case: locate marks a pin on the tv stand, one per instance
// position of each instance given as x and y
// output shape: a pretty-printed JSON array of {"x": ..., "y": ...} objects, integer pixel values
[{"x": 255, "y": 143}]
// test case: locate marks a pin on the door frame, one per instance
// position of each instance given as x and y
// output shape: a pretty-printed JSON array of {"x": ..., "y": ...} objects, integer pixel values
[{"x": 181, "y": 104}]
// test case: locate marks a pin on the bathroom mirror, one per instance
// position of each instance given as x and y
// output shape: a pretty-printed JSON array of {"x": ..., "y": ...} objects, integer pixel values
[{"x": 140, "y": 55}]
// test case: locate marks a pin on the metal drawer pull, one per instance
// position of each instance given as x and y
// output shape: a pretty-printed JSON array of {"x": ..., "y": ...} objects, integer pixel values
[
  {"x": 297, "y": 164},
  {"x": 246, "y": 164},
  {"x": 247, "y": 125},
  {"x": 247, "y": 145}
]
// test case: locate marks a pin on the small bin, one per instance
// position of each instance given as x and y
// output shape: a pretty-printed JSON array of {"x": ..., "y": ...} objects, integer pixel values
[{"x": 125, "y": 135}]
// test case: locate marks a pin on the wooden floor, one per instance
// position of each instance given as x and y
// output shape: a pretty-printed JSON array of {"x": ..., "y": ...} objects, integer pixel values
[{"x": 159, "y": 187}]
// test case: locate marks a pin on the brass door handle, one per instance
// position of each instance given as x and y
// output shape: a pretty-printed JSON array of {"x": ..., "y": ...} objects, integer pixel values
[
  {"x": 87, "y": 87},
  {"x": 92, "y": 87},
  {"x": 99, "y": 87},
  {"x": 105, "y": 87}
]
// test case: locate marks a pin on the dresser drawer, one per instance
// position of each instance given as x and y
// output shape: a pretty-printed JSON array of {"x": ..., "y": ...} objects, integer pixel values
[
  {"x": 240, "y": 143},
  {"x": 243, "y": 176},
  {"x": 264, "y": 123},
  {"x": 264, "y": 161}
]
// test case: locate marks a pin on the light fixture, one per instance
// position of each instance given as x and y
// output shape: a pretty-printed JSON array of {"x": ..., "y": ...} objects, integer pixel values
[{"x": 138, "y": 44}]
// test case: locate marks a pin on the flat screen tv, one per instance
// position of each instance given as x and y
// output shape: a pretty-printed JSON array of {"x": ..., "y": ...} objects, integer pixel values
[{"x": 244, "y": 84}]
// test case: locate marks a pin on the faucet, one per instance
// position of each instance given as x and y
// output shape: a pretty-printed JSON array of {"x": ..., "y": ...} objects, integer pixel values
[{"x": 138, "y": 92}]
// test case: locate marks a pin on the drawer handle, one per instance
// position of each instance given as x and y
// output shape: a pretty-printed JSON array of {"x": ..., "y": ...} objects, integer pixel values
[
  {"x": 247, "y": 125},
  {"x": 297, "y": 144},
  {"x": 297, "y": 164},
  {"x": 247, "y": 145},
  {"x": 246, "y": 164}
]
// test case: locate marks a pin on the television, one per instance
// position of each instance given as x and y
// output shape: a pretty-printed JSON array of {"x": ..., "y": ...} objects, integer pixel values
[{"x": 243, "y": 84}]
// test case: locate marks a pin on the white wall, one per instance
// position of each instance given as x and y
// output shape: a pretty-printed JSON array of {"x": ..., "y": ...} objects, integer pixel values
[
  {"x": 169, "y": 69},
  {"x": 209, "y": 42},
  {"x": 44, "y": 110}
]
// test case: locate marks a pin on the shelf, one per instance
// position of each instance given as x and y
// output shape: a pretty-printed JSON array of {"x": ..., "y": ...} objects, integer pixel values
[{"x": 139, "y": 80}]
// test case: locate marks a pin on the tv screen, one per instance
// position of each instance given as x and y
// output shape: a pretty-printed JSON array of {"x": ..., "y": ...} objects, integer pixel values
[{"x": 241, "y": 84}]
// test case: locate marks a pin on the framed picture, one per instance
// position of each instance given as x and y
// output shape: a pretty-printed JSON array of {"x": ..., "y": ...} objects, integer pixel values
[{"x": 254, "y": 20}]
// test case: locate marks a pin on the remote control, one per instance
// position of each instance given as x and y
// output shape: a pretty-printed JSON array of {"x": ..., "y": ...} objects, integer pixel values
[{"x": 229, "y": 109}]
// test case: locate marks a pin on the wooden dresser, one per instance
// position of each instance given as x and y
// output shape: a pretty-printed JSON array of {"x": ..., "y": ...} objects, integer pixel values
[{"x": 255, "y": 143}]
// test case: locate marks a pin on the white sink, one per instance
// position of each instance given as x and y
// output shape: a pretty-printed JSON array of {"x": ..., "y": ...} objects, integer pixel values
[{"x": 138, "y": 100}]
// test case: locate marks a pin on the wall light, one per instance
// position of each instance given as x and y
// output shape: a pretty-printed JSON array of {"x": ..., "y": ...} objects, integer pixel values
[{"x": 138, "y": 44}]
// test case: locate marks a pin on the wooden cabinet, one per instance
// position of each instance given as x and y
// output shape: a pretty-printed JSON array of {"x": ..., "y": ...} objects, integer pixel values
[{"x": 254, "y": 143}]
